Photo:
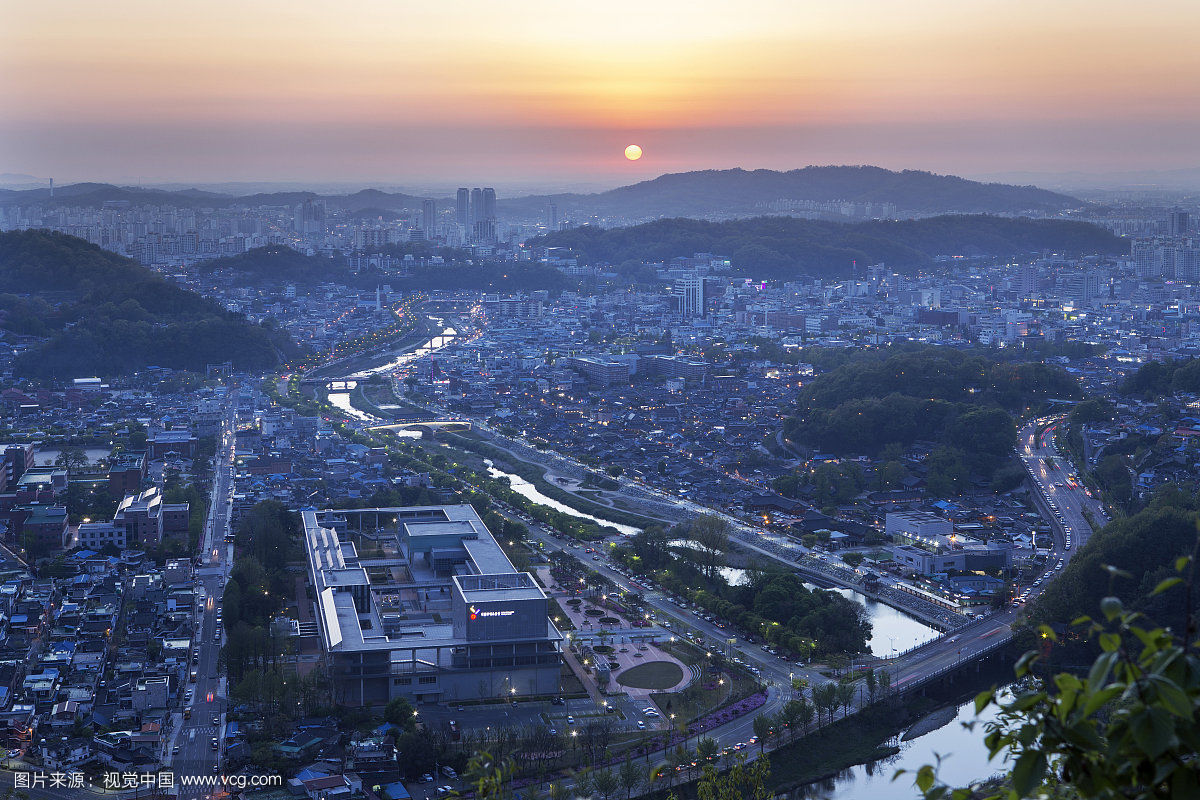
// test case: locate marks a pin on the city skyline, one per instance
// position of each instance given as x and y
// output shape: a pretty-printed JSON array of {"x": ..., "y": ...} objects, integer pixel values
[{"x": 376, "y": 92}]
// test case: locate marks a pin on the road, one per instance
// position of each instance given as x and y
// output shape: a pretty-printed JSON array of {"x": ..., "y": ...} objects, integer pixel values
[
  {"x": 1062, "y": 501},
  {"x": 194, "y": 737}
]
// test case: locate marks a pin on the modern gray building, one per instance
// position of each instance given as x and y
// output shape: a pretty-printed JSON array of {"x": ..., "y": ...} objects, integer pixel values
[{"x": 434, "y": 611}]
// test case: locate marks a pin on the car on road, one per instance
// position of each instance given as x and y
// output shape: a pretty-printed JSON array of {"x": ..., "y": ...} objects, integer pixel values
[
  {"x": 641, "y": 725},
  {"x": 449, "y": 773},
  {"x": 570, "y": 720},
  {"x": 426, "y": 778},
  {"x": 215, "y": 744}
]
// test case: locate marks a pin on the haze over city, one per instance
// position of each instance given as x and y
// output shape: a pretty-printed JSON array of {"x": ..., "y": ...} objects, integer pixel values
[
  {"x": 386, "y": 91},
  {"x": 528, "y": 400}
]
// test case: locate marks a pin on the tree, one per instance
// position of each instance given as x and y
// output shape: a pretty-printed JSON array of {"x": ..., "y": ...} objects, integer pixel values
[
  {"x": 793, "y": 713},
  {"x": 741, "y": 782},
  {"x": 399, "y": 712},
  {"x": 890, "y": 475},
  {"x": 73, "y": 459},
  {"x": 853, "y": 559},
  {"x": 711, "y": 535},
  {"x": 1092, "y": 410},
  {"x": 844, "y": 697},
  {"x": 706, "y": 748},
  {"x": 415, "y": 754},
  {"x": 947, "y": 476},
  {"x": 605, "y": 783},
  {"x": 488, "y": 776},
  {"x": 584, "y": 785},
  {"x": 762, "y": 729},
  {"x": 631, "y": 777},
  {"x": 825, "y": 699}
]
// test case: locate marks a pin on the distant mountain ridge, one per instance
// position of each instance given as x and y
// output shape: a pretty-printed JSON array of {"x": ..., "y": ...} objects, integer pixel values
[
  {"x": 96, "y": 194},
  {"x": 685, "y": 194},
  {"x": 739, "y": 191}
]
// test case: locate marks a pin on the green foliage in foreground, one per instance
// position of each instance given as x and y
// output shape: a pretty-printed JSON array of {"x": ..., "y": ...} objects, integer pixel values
[{"x": 1127, "y": 729}]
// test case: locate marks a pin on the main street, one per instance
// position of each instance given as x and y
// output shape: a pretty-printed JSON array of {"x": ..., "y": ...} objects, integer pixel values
[
  {"x": 194, "y": 737},
  {"x": 1063, "y": 501}
]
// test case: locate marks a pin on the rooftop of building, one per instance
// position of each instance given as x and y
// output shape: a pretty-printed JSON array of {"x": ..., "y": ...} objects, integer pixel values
[{"x": 393, "y": 600}]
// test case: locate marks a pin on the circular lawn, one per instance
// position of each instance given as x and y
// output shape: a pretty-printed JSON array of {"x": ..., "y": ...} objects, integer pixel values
[{"x": 657, "y": 675}]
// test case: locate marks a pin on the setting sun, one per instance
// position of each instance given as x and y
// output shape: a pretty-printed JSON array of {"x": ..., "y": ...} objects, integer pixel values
[{"x": 633, "y": 152}]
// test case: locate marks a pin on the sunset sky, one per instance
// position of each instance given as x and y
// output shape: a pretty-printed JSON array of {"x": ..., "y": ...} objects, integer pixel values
[{"x": 392, "y": 90}]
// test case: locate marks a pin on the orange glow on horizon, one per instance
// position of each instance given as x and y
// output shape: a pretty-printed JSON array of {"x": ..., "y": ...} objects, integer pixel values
[{"x": 534, "y": 84}]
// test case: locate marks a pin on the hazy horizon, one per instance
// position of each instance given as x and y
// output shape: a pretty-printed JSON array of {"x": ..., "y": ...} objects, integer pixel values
[{"x": 374, "y": 92}]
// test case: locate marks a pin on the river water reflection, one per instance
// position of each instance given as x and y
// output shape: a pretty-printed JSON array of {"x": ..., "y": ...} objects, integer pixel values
[
  {"x": 964, "y": 761},
  {"x": 530, "y": 492}
]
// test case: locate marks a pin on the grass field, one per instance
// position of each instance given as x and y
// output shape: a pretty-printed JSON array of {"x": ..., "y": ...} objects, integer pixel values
[{"x": 657, "y": 675}]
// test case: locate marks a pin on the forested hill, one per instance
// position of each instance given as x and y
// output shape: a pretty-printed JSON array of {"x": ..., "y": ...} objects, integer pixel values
[
  {"x": 898, "y": 396},
  {"x": 784, "y": 247},
  {"x": 1144, "y": 547},
  {"x": 739, "y": 191},
  {"x": 99, "y": 313},
  {"x": 279, "y": 263}
]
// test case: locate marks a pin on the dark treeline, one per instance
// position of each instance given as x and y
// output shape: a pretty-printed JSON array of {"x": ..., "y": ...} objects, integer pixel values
[
  {"x": 279, "y": 263},
  {"x": 1157, "y": 378},
  {"x": 258, "y": 587},
  {"x": 962, "y": 402},
  {"x": 785, "y": 247},
  {"x": 775, "y": 606},
  {"x": 106, "y": 314}
]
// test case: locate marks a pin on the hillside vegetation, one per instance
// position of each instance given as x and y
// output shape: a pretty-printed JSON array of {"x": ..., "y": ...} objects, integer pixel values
[
  {"x": 1144, "y": 547},
  {"x": 963, "y": 402},
  {"x": 785, "y": 247},
  {"x": 279, "y": 263},
  {"x": 104, "y": 314}
]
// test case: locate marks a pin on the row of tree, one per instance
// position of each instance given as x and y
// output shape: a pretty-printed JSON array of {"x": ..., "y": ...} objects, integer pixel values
[{"x": 773, "y": 605}]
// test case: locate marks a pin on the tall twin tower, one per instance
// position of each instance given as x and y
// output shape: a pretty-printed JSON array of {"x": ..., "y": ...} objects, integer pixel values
[{"x": 476, "y": 213}]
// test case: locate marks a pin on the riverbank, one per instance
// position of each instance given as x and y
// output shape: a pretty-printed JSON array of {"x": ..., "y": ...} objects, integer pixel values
[
  {"x": 536, "y": 475},
  {"x": 930, "y": 723}
]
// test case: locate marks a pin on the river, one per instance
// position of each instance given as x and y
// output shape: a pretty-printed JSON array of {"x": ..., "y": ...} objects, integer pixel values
[
  {"x": 340, "y": 390},
  {"x": 442, "y": 339},
  {"x": 530, "y": 492},
  {"x": 339, "y": 398},
  {"x": 964, "y": 760},
  {"x": 890, "y": 627}
]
